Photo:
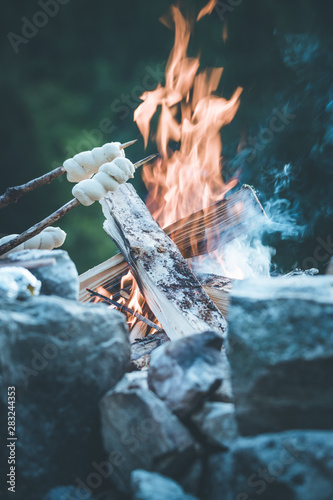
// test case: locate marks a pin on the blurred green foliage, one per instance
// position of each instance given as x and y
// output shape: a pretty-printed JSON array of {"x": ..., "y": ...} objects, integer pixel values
[{"x": 76, "y": 83}]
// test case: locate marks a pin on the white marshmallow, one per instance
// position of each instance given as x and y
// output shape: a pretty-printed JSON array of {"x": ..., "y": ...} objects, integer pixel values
[
  {"x": 109, "y": 177},
  {"x": 84, "y": 165},
  {"x": 49, "y": 238}
]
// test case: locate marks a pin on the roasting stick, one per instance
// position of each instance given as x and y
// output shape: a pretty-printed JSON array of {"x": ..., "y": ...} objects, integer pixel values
[
  {"x": 58, "y": 214},
  {"x": 13, "y": 194},
  {"x": 126, "y": 309}
]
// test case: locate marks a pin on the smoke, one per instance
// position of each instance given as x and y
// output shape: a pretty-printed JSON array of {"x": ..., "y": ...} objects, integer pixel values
[{"x": 291, "y": 166}]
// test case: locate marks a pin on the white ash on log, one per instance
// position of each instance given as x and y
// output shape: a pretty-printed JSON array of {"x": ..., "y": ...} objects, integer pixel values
[{"x": 173, "y": 293}]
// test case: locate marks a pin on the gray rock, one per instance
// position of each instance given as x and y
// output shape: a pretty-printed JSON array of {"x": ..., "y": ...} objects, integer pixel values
[
  {"x": 144, "y": 433},
  {"x": 152, "y": 486},
  {"x": 62, "y": 357},
  {"x": 281, "y": 353},
  {"x": 60, "y": 279},
  {"x": 217, "y": 423},
  {"x": 133, "y": 381},
  {"x": 186, "y": 372},
  {"x": 65, "y": 493},
  {"x": 292, "y": 465},
  {"x": 17, "y": 283},
  {"x": 329, "y": 268},
  {"x": 191, "y": 479}
]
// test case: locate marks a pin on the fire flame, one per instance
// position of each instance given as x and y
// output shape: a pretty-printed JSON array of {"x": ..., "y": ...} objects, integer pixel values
[{"x": 191, "y": 115}]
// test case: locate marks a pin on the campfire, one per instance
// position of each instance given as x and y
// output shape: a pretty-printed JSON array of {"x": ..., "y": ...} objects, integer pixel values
[
  {"x": 166, "y": 368},
  {"x": 189, "y": 218},
  {"x": 186, "y": 197}
]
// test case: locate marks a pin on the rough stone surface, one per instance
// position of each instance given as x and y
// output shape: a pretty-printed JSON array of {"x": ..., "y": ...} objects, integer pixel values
[
  {"x": 185, "y": 372},
  {"x": 291, "y": 465},
  {"x": 329, "y": 269},
  {"x": 144, "y": 432},
  {"x": 65, "y": 493},
  {"x": 281, "y": 353},
  {"x": 217, "y": 424},
  {"x": 191, "y": 480},
  {"x": 61, "y": 279},
  {"x": 152, "y": 486},
  {"x": 62, "y": 357}
]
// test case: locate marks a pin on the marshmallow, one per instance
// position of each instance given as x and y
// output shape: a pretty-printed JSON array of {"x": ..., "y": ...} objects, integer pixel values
[
  {"x": 84, "y": 165},
  {"x": 108, "y": 178},
  {"x": 49, "y": 238}
]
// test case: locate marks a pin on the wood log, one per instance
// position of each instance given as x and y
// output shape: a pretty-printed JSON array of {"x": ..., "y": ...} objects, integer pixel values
[
  {"x": 213, "y": 227},
  {"x": 173, "y": 293},
  {"x": 222, "y": 222},
  {"x": 218, "y": 289}
]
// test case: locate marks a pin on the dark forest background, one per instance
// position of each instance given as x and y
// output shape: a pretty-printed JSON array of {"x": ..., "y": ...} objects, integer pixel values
[{"x": 76, "y": 82}]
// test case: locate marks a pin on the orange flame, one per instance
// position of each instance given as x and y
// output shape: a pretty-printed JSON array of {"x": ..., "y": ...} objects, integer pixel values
[
  {"x": 191, "y": 114},
  {"x": 207, "y": 9}
]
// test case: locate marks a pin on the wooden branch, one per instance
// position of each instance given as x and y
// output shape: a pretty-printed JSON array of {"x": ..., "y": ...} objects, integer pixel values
[
  {"x": 218, "y": 289},
  {"x": 122, "y": 307},
  {"x": 48, "y": 221},
  {"x": 173, "y": 293},
  {"x": 38, "y": 228},
  {"x": 13, "y": 194},
  {"x": 226, "y": 220}
]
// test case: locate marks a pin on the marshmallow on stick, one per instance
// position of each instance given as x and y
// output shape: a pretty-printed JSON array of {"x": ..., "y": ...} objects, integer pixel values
[
  {"x": 121, "y": 171},
  {"x": 85, "y": 164},
  {"x": 108, "y": 178},
  {"x": 82, "y": 166},
  {"x": 48, "y": 239}
]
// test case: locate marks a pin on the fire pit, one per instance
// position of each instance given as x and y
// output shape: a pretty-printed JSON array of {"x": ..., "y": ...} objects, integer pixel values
[{"x": 184, "y": 366}]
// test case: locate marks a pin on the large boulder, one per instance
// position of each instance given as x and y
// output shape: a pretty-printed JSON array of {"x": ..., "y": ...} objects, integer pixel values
[
  {"x": 216, "y": 423},
  {"x": 186, "y": 372},
  {"x": 61, "y": 356},
  {"x": 291, "y": 465},
  {"x": 281, "y": 353},
  {"x": 153, "y": 486},
  {"x": 144, "y": 434},
  {"x": 60, "y": 279}
]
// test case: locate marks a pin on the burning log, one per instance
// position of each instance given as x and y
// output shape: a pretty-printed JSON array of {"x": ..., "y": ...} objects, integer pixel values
[
  {"x": 225, "y": 220},
  {"x": 218, "y": 224},
  {"x": 174, "y": 295}
]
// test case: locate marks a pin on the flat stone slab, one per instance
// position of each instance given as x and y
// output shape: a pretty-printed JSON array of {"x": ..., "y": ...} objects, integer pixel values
[{"x": 281, "y": 353}]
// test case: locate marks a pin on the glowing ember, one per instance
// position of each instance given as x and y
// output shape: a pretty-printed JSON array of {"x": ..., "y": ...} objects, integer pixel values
[{"x": 188, "y": 179}]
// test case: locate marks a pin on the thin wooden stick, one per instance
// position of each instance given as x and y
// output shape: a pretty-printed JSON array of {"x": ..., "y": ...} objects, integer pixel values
[
  {"x": 51, "y": 219},
  {"x": 126, "y": 309},
  {"x": 13, "y": 194}
]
